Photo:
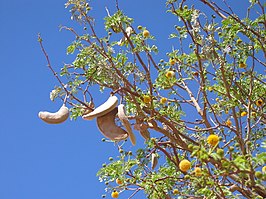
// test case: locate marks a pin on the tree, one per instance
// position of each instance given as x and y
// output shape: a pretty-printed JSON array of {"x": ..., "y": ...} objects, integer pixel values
[{"x": 204, "y": 106}]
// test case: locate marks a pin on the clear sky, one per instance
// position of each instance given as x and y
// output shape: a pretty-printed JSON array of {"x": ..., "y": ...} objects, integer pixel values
[{"x": 40, "y": 161}]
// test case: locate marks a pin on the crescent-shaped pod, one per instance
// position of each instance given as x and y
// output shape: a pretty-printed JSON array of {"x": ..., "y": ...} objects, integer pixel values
[
  {"x": 123, "y": 118},
  {"x": 108, "y": 127},
  {"x": 103, "y": 109},
  {"x": 55, "y": 118}
]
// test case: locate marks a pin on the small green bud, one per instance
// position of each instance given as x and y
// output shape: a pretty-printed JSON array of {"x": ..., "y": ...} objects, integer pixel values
[
  {"x": 178, "y": 28},
  {"x": 190, "y": 146},
  {"x": 186, "y": 176},
  {"x": 239, "y": 41},
  {"x": 231, "y": 148},
  {"x": 258, "y": 174},
  {"x": 220, "y": 152},
  {"x": 195, "y": 148},
  {"x": 225, "y": 163}
]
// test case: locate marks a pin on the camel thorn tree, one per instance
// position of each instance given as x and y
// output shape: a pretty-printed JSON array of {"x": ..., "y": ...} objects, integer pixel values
[{"x": 200, "y": 107}]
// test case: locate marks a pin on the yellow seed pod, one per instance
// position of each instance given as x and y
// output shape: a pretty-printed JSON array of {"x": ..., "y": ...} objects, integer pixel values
[
  {"x": 175, "y": 191},
  {"x": 146, "y": 33},
  {"x": 115, "y": 194},
  {"x": 198, "y": 174},
  {"x": 259, "y": 102},
  {"x": 197, "y": 171},
  {"x": 163, "y": 100},
  {"x": 243, "y": 114},
  {"x": 118, "y": 181},
  {"x": 210, "y": 88},
  {"x": 228, "y": 123},
  {"x": 184, "y": 165},
  {"x": 242, "y": 65},
  {"x": 170, "y": 74},
  {"x": 146, "y": 99},
  {"x": 172, "y": 61},
  {"x": 213, "y": 140},
  {"x": 239, "y": 41}
]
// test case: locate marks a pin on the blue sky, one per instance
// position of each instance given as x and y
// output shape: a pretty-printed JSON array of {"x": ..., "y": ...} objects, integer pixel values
[{"x": 40, "y": 161}]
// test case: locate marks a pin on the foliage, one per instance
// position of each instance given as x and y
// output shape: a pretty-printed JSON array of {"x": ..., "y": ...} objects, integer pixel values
[{"x": 214, "y": 86}]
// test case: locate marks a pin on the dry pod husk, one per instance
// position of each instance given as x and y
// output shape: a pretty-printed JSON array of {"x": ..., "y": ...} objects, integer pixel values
[
  {"x": 123, "y": 118},
  {"x": 143, "y": 129},
  {"x": 108, "y": 127},
  {"x": 55, "y": 118},
  {"x": 103, "y": 109},
  {"x": 154, "y": 160},
  {"x": 145, "y": 134},
  {"x": 129, "y": 31}
]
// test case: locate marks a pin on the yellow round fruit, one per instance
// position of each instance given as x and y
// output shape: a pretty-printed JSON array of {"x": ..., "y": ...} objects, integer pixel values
[
  {"x": 228, "y": 123},
  {"x": 163, "y": 100},
  {"x": 243, "y": 114},
  {"x": 115, "y": 194},
  {"x": 184, "y": 165},
  {"x": 146, "y": 99},
  {"x": 118, "y": 181},
  {"x": 175, "y": 191},
  {"x": 146, "y": 33},
  {"x": 197, "y": 171},
  {"x": 242, "y": 65},
  {"x": 213, "y": 140},
  {"x": 170, "y": 74},
  {"x": 259, "y": 102}
]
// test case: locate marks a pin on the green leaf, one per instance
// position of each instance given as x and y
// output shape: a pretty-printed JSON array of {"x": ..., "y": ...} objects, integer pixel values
[{"x": 71, "y": 49}]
